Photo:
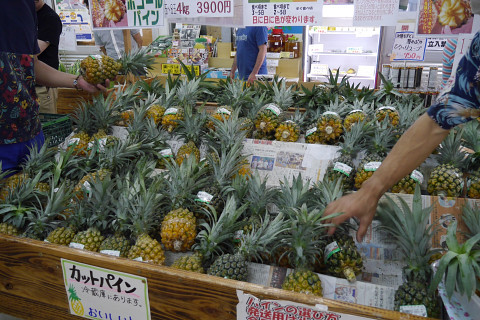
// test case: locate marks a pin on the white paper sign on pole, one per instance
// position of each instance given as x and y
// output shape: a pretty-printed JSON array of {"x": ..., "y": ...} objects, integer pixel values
[
  {"x": 463, "y": 45},
  {"x": 282, "y": 12},
  {"x": 407, "y": 47},
  {"x": 375, "y": 13},
  {"x": 195, "y": 8},
  {"x": 98, "y": 293},
  {"x": 68, "y": 40},
  {"x": 250, "y": 307}
]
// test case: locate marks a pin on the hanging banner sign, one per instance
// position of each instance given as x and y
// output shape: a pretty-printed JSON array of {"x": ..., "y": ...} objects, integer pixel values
[
  {"x": 195, "y": 8},
  {"x": 436, "y": 44},
  {"x": 98, "y": 293},
  {"x": 115, "y": 14},
  {"x": 250, "y": 307},
  {"x": 375, "y": 13},
  {"x": 282, "y": 12},
  {"x": 444, "y": 17},
  {"x": 408, "y": 48}
]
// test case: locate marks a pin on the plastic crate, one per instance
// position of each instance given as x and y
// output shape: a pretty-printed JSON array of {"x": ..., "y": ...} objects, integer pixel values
[{"x": 56, "y": 127}]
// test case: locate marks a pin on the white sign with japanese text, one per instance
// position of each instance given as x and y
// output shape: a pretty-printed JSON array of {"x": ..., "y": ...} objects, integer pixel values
[
  {"x": 250, "y": 307},
  {"x": 98, "y": 293},
  {"x": 196, "y": 8},
  {"x": 436, "y": 44},
  {"x": 282, "y": 12},
  {"x": 407, "y": 47},
  {"x": 68, "y": 40},
  {"x": 131, "y": 14},
  {"x": 375, "y": 13}
]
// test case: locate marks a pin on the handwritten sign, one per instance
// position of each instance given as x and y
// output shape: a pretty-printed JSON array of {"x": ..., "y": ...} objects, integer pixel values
[
  {"x": 282, "y": 12},
  {"x": 375, "y": 13},
  {"x": 408, "y": 48},
  {"x": 195, "y": 8},
  {"x": 67, "y": 39},
  {"x": 98, "y": 293},
  {"x": 250, "y": 307}
]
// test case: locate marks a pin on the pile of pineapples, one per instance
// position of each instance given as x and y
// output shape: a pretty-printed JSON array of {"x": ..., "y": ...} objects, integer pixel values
[{"x": 139, "y": 196}]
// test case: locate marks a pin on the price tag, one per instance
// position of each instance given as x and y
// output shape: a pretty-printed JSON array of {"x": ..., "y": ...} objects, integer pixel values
[
  {"x": 408, "y": 48},
  {"x": 343, "y": 168},
  {"x": 310, "y": 131},
  {"x": 418, "y": 310},
  {"x": 73, "y": 141},
  {"x": 223, "y": 110},
  {"x": 194, "y": 8},
  {"x": 76, "y": 245},
  {"x": 417, "y": 176},
  {"x": 171, "y": 111},
  {"x": 204, "y": 197},
  {"x": 171, "y": 68},
  {"x": 166, "y": 153},
  {"x": 372, "y": 166},
  {"x": 276, "y": 110},
  {"x": 114, "y": 253},
  {"x": 331, "y": 249}
]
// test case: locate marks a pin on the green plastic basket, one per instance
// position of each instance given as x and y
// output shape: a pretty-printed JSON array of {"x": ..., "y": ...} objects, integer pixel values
[{"x": 56, "y": 127}]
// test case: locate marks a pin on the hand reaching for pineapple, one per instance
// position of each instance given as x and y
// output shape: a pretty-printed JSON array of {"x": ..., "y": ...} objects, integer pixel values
[{"x": 85, "y": 86}]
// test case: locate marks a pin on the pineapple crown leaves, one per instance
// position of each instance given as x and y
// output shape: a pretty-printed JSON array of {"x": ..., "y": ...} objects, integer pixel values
[
  {"x": 354, "y": 139},
  {"x": 121, "y": 154},
  {"x": 471, "y": 136},
  {"x": 81, "y": 117},
  {"x": 184, "y": 182},
  {"x": 39, "y": 158},
  {"x": 451, "y": 151},
  {"x": 259, "y": 195},
  {"x": 412, "y": 233},
  {"x": 235, "y": 93},
  {"x": 382, "y": 140},
  {"x": 43, "y": 219},
  {"x": 125, "y": 96},
  {"x": 327, "y": 191},
  {"x": 192, "y": 127},
  {"x": 227, "y": 133},
  {"x": 217, "y": 235},
  {"x": 226, "y": 166},
  {"x": 305, "y": 235},
  {"x": 333, "y": 84},
  {"x": 341, "y": 108},
  {"x": 388, "y": 90},
  {"x": 309, "y": 98},
  {"x": 471, "y": 217},
  {"x": 187, "y": 92},
  {"x": 252, "y": 109},
  {"x": 282, "y": 95},
  {"x": 460, "y": 265},
  {"x": 294, "y": 195},
  {"x": 137, "y": 62},
  {"x": 150, "y": 86},
  {"x": 261, "y": 240},
  {"x": 409, "y": 113}
]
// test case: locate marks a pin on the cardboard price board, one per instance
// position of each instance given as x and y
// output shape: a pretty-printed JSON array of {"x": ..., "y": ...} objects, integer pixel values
[
  {"x": 408, "y": 48},
  {"x": 131, "y": 14},
  {"x": 174, "y": 68},
  {"x": 98, "y": 293},
  {"x": 282, "y": 12}
]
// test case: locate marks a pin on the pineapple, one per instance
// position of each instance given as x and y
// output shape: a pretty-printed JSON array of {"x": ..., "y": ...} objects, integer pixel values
[
  {"x": 155, "y": 112},
  {"x": 97, "y": 69},
  {"x": 289, "y": 130},
  {"x": 270, "y": 116},
  {"x": 191, "y": 130},
  {"x": 222, "y": 113},
  {"x": 454, "y": 13},
  {"x": 114, "y": 10},
  {"x": 359, "y": 113},
  {"x": 447, "y": 178},
  {"x": 330, "y": 124},
  {"x": 312, "y": 135},
  {"x": 235, "y": 265},
  {"x": 390, "y": 113},
  {"x": 142, "y": 216},
  {"x": 82, "y": 119},
  {"x": 179, "y": 230},
  {"x": 380, "y": 145},
  {"x": 411, "y": 231},
  {"x": 407, "y": 184},
  {"x": 304, "y": 247},
  {"x": 171, "y": 118},
  {"x": 215, "y": 236},
  {"x": 343, "y": 166}
]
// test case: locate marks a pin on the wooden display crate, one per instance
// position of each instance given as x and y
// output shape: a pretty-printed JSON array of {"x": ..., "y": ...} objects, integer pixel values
[{"x": 32, "y": 287}]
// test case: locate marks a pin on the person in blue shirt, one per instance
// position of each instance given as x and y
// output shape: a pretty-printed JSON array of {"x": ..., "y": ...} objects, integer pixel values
[{"x": 251, "y": 51}]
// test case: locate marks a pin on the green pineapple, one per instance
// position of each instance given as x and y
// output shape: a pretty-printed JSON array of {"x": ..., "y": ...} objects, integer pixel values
[
  {"x": 215, "y": 237},
  {"x": 378, "y": 147},
  {"x": 411, "y": 231},
  {"x": 407, "y": 184},
  {"x": 252, "y": 245},
  {"x": 447, "y": 178},
  {"x": 304, "y": 247},
  {"x": 191, "y": 130}
]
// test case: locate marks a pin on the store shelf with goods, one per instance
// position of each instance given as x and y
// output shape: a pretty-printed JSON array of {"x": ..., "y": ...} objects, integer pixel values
[{"x": 344, "y": 48}]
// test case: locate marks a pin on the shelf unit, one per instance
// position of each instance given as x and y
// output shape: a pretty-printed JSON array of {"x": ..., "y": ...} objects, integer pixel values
[{"x": 340, "y": 39}]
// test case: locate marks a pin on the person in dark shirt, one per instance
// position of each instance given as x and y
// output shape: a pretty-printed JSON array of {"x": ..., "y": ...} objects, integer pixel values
[
  {"x": 49, "y": 30},
  {"x": 20, "y": 70}
]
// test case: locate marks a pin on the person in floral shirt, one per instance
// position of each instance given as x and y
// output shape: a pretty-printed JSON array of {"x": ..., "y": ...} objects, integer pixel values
[
  {"x": 20, "y": 70},
  {"x": 457, "y": 104}
]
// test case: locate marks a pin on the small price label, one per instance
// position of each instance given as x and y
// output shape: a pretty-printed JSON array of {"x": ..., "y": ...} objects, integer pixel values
[
  {"x": 204, "y": 197},
  {"x": 331, "y": 249},
  {"x": 372, "y": 166},
  {"x": 76, "y": 245},
  {"x": 114, "y": 253},
  {"x": 310, "y": 131},
  {"x": 276, "y": 110},
  {"x": 343, "y": 168},
  {"x": 171, "y": 111},
  {"x": 171, "y": 68},
  {"x": 417, "y": 176}
]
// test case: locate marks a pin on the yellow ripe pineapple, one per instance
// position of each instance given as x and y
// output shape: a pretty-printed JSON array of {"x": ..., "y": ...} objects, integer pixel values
[
  {"x": 268, "y": 120},
  {"x": 191, "y": 263},
  {"x": 407, "y": 184},
  {"x": 471, "y": 137},
  {"x": 221, "y": 114},
  {"x": 330, "y": 123},
  {"x": 179, "y": 230},
  {"x": 96, "y": 69},
  {"x": 155, "y": 112},
  {"x": 171, "y": 117},
  {"x": 287, "y": 131},
  {"x": 127, "y": 117},
  {"x": 359, "y": 113},
  {"x": 454, "y": 13},
  {"x": 388, "y": 112},
  {"x": 88, "y": 179},
  {"x": 312, "y": 134},
  {"x": 474, "y": 188},
  {"x": 186, "y": 150},
  {"x": 114, "y": 10},
  {"x": 10, "y": 183},
  {"x": 147, "y": 249}
]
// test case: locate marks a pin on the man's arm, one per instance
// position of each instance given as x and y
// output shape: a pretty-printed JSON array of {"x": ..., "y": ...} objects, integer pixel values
[
  {"x": 138, "y": 39},
  {"x": 234, "y": 67},
  {"x": 42, "y": 45},
  {"x": 262, "y": 52},
  {"x": 104, "y": 51},
  {"x": 50, "y": 77},
  {"x": 415, "y": 145}
]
